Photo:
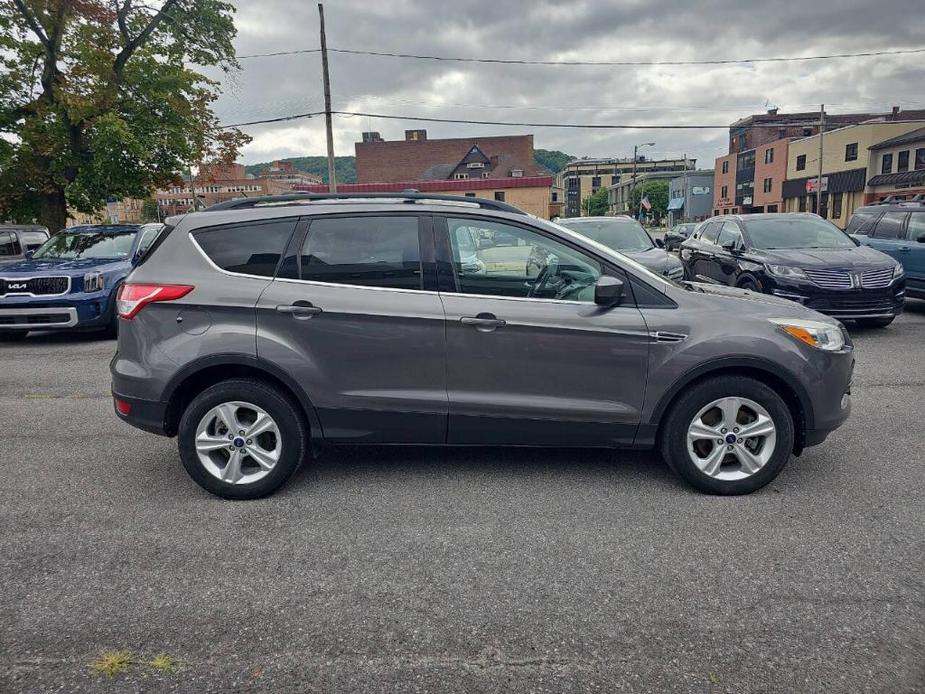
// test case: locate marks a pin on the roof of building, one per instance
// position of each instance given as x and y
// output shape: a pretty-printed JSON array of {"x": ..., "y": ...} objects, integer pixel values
[
  {"x": 913, "y": 136},
  {"x": 892, "y": 179}
]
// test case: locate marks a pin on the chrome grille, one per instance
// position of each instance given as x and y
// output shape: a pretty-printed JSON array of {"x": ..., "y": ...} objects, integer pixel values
[
  {"x": 877, "y": 279},
  {"x": 36, "y": 286},
  {"x": 829, "y": 279}
]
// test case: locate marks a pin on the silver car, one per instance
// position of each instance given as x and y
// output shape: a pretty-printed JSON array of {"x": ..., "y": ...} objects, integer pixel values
[{"x": 259, "y": 330}]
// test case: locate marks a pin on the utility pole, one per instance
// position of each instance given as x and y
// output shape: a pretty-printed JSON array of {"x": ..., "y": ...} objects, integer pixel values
[
  {"x": 633, "y": 186},
  {"x": 332, "y": 176},
  {"x": 686, "y": 195},
  {"x": 819, "y": 180}
]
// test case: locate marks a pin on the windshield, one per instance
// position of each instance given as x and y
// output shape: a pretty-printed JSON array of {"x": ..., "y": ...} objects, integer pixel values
[
  {"x": 70, "y": 246},
  {"x": 617, "y": 234},
  {"x": 800, "y": 232}
]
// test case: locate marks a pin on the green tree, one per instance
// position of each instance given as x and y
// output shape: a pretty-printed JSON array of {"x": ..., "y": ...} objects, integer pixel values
[
  {"x": 149, "y": 211},
  {"x": 551, "y": 159},
  {"x": 657, "y": 192},
  {"x": 97, "y": 99},
  {"x": 595, "y": 205}
]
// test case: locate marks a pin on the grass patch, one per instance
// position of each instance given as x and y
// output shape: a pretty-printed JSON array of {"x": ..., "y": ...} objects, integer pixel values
[
  {"x": 163, "y": 664},
  {"x": 113, "y": 663},
  {"x": 714, "y": 678}
]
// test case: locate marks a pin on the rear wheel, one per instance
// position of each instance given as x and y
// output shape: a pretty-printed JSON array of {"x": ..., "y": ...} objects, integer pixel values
[
  {"x": 749, "y": 283},
  {"x": 728, "y": 435},
  {"x": 242, "y": 439},
  {"x": 875, "y": 322}
]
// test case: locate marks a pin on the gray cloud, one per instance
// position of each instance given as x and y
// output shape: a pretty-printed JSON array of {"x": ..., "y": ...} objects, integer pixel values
[{"x": 654, "y": 30}]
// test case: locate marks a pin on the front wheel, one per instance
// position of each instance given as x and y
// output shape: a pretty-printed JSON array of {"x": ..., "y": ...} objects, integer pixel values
[
  {"x": 242, "y": 439},
  {"x": 728, "y": 435}
]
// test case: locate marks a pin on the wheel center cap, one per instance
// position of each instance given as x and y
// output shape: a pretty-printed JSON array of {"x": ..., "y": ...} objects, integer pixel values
[
  {"x": 730, "y": 438},
  {"x": 238, "y": 442}
]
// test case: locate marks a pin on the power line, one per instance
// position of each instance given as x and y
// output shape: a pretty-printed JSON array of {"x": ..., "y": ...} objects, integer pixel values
[
  {"x": 609, "y": 63},
  {"x": 280, "y": 119}
]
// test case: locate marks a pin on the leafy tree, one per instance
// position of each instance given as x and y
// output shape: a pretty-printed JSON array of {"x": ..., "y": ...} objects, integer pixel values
[
  {"x": 552, "y": 159},
  {"x": 149, "y": 211},
  {"x": 595, "y": 205},
  {"x": 97, "y": 99},
  {"x": 657, "y": 192}
]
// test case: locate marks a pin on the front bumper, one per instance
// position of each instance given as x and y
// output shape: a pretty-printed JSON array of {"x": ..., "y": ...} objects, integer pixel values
[
  {"x": 91, "y": 311},
  {"x": 43, "y": 318},
  {"x": 831, "y": 396},
  {"x": 847, "y": 304}
]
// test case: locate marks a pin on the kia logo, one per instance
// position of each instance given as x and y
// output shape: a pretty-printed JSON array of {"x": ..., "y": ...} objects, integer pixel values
[{"x": 21, "y": 285}]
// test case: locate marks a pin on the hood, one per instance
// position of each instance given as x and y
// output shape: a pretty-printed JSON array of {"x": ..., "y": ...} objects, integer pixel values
[
  {"x": 77, "y": 266},
  {"x": 655, "y": 259},
  {"x": 857, "y": 257},
  {"x": 755, "y": 304}
]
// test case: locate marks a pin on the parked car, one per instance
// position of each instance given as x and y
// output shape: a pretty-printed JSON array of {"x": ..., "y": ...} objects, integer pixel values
[
  {"x": 675, "y": 236},
  {"x": 17, "y": 241},
  {"x": 264, "y": 328},
  {"x": 898, "y": 230},
  {"x": 627, "y": 236},
  {"x": 70, "y": 282},
  {"x": 801, "y": 257}
]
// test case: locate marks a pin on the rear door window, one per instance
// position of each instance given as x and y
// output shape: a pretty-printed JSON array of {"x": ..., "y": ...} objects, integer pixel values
[
  {"x": 709, "y": 234},
  {"x": 861, "y": 223},
  {"x": 916, "y": 226},
  {"x": 729, "y": 232},
  {"x": 9, "y": 244},
  {"x": 253, "y": 248},
  {"x": 367, "y": 251},
  {"x": 890, "y": 226}
]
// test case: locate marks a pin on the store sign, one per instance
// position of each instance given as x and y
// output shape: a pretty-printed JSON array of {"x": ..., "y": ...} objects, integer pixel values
[
  {"x": 811, "y": 184},
  {"x": 700, "y": 190}
]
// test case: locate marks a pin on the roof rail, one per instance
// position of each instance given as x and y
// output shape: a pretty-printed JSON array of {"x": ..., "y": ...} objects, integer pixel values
[{"x": 406, "y": 196}]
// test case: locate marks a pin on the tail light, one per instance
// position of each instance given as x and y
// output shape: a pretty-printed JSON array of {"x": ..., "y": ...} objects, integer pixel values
[{"x": 133, "y": 297}]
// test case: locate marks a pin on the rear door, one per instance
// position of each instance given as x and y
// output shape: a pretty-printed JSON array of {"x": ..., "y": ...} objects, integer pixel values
[
  {"x": 531, "y": 360},
  {"x": 704, "y": 254},
  {"x": 724, "y": 266},
  {"x": 355, "y": 318}
]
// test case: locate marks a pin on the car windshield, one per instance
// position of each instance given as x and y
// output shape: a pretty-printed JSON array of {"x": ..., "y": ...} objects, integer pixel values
[
  {"x": 799, "y": 232},
  {"x": 67, "y": 246},
  {"x": 619, "y": 234}
]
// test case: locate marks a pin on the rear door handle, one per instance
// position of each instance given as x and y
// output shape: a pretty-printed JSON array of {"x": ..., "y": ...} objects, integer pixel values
[
  {"x": 300, "y": 310},
  {"x": 485, "y": 322}
]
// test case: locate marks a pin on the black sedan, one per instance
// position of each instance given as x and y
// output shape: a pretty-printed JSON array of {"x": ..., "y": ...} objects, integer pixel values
[
  {"x": 627, "y": 236},
  {"x": 800, "y": 257},
  {"x": 675, "y": 236}
]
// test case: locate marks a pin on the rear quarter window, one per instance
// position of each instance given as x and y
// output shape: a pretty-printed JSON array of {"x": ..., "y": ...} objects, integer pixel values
[
  {"x": 253, "y": 248},
  {"x": 861, "y": 223}
]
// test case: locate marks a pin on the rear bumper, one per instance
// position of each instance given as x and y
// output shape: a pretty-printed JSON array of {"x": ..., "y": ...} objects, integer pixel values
[{"x": 147, "y": 415}]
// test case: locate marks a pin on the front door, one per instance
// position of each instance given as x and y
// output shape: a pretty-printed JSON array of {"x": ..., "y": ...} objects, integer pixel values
[
  {"x": 725, "y": 263},
  {"x": 914, "y": 259},
  {"x": 354, "y": 317},
  {"x": 530, "y": 358}
]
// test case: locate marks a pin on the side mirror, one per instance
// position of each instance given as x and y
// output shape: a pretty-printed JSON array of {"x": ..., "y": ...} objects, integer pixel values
[
  {"x": 660, "y": 243},
  {"x": 28, "y": 254},
  {"x": 608, "y": 291}
]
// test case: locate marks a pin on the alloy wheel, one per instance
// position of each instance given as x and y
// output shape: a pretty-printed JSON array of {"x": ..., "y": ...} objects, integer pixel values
[
  {"x": 731, "y": 438},
  {"x": 238, "y": 442}
]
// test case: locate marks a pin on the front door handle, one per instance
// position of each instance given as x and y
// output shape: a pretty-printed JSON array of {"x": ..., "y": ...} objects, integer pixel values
[
  {"x": 483, "y": 322},
  {"x": 300, "y": 310}
]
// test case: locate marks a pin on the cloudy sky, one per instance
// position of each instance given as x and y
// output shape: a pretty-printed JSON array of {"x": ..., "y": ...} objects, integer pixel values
[{"x": 632, "y": 30}]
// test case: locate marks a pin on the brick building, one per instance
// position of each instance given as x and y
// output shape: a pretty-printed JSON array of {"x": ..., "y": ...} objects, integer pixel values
[{"x": 212, "y": 184}]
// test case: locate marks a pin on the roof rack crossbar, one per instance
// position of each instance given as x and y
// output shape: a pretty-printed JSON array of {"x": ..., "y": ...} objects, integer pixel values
[{"x": 406, "y": 196}]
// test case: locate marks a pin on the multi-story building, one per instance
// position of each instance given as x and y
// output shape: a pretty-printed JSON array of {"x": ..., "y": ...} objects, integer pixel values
[
  {"x": 750, "y": 177},
  {"x": 896, "y": 167},
  {"x": 690, "y": 197},
  {"x": 846, "y": 168},
  {"x": 216, "y": 183},
  {"x": 620, "y": 194},
  {"x": 281, "y": 176},
  {"x": 501, "y": 168},
  {"x": 580, "y": 178}
]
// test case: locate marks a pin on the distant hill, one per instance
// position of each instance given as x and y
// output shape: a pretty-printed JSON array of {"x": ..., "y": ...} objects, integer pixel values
[{"x": 346, "y": 167}]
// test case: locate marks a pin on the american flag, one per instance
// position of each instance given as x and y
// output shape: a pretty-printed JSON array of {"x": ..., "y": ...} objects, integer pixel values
[{"x": 645, "y": 203}]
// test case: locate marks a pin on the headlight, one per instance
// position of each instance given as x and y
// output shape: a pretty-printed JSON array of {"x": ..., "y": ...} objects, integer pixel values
[
  {"x": 786, "y": 271},
  {"x": 898, "y": 271},
  {"x": 93, "y": 282},
  {"x": 675, "y": 273},
  {"x": 813, "y": 333}
]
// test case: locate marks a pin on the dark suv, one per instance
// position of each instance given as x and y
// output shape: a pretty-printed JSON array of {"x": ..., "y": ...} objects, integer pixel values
[
  {"x": 897, "y": 229},
  {"x": 262, "y": 329},
  {"x": 801, "y": 257}
]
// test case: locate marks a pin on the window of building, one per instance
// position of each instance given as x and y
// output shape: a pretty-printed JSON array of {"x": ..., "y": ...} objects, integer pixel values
[
  {"x": 499, "y": 195},
  {"x": 555, "y": 196},
  {"x": 801, "y": 162},
  {"x": 902, "y": 161},
  {"x": 886, "y": 163},
  {"x": 461, "y": 176},
  {"x": 768, "y": 183},
  {"x": 851, "y": 152},
  {"x": 573, "y": 183},
  {"x": 836, "y": 205},
  {"x": 614, "y": 180},
  {"x": 470, "y": 195},
  {"x": 807, "y": 132},
  {"x": 920, "y": 159},
  {"x": 769, "y": 155},
  {"x": 365, "y": 251},
  {"x": 486, "y": 174},
  {"x": 802, "y": 204},
  {"x": 726, "y": 166},
  {"x": 772, "y": 208},
  {"x": 566, "y": 274},
  {"x": 595, "y": 182},
  {"x": 724, "y": 192},
  {"x": 252, "y": 249}
]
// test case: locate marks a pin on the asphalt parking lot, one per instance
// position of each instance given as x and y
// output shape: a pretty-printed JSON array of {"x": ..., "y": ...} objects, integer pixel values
[{"x": 396, "y": 569}]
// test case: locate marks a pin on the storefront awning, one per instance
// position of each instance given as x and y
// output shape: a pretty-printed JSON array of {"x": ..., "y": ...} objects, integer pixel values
[{"x": 676, "y": 204}]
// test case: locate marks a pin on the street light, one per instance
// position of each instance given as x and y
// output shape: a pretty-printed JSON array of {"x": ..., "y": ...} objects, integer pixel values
[{"x": 635, "y": 157}]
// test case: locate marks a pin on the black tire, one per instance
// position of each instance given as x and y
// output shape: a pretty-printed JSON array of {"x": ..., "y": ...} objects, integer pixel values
[
  {"x": 750, "y": 284},
  {"x": 13, "y": 335},
  {"x": 285, "y": 412},
  {"x": 875, "y": 322},
  {"x": 679, "y": 417}
]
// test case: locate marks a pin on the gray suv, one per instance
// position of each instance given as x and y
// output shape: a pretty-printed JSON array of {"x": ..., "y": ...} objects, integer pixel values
[{"x": 262, "y": 329}]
